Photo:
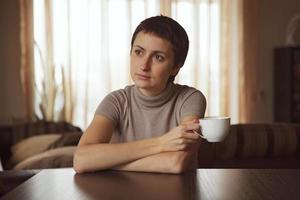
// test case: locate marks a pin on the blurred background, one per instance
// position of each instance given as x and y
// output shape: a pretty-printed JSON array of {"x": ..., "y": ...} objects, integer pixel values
[{"x": 59, "y": 58}]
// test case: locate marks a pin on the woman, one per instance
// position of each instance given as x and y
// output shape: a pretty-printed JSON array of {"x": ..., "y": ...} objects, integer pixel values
[{"x": 149, "y": 126}]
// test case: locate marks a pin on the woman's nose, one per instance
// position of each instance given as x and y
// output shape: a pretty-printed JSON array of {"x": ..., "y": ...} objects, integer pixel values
[{"x": 146, "y": 65}]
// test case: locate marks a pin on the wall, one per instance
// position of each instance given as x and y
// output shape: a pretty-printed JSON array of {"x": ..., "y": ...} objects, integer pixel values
[
  {"x": 275, "y": 15},
  {"x": 10, "y": 87}
]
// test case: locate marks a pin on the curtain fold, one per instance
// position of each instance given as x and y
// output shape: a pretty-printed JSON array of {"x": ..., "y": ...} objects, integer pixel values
[
  {"x": 78, "y": 59},
  {"x": 240, "y": 60},
  {"x": 226, "y": 56},
  {"x": 250, "y": 95},
  {"x": 231, "y": 68},
  {"x": 27, "y": 63}
]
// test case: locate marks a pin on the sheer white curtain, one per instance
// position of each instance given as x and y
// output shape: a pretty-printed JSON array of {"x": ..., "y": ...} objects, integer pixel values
[
  {"x": 82, "y": 51},
  {"x": 201, "y": 19}
]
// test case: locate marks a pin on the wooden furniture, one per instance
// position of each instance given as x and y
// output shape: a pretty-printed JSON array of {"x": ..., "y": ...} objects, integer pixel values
[
  {"x": 11, "y": 179},
  {"x": 286, "y": 84},
  {"x": 200, "y": 184}
]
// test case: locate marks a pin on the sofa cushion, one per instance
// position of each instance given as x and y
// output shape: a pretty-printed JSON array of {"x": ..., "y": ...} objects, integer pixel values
[
  {"x": 31, "y": 146},
  {"x": 259, "y": 140},
  {"x": 1, "y": 168},
  {"x": 55, "y": 158},
  {"x": 20, "y": 130},
  {"x": 41, "y": 143},
  {"x": 68, "y": 139},
  {"x": 254, "y": 145}
]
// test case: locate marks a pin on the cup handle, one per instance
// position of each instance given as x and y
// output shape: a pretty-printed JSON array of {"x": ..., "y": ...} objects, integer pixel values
[{"x": 199, "y": 134}]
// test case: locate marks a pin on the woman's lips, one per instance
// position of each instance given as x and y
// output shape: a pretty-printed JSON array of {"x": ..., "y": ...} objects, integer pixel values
[{"x": 142, "y": 77}]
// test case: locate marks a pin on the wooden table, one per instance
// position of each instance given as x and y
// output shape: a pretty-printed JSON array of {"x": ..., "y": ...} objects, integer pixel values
[
  {"x": 201, "y": 184},
  {"x": 10, "y": 179}
]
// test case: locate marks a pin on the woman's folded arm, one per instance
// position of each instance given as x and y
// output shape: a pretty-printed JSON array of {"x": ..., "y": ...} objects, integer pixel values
[
  {"x": 94, "y": 152},
  {"x": 171, "y": 152},
  {"x": 166, "y": 162}
]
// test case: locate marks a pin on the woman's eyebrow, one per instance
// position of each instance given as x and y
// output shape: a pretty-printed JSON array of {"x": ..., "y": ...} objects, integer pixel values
[
  {"x": 139, "y": 47},
  {"x": 155, "y": 51},
  {"x": 161, "y": 52}
]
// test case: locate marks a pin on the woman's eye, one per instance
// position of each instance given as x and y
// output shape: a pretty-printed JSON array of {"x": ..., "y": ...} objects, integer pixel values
[
  {"x": 138, "y": 52},
  {"x": 159, "y": 58}
]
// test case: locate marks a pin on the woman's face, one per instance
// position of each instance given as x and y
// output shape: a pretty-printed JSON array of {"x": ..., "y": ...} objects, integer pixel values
[{"x": 151, "y": 63}]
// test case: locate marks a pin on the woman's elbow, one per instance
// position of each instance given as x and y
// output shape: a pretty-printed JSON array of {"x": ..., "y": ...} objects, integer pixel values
[
  {"x": 176, "y": 170},
  {"x": 82, "y": 163},
  {"x": 78, "y": 168},
  {"x": 181, "y": 163},
  {"x": 78, "y": 162},
  {"x": 179, "y": 167},
  {"x": 175, "y": 164}
]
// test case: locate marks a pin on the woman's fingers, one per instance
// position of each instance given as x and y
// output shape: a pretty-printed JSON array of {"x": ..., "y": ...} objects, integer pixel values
[
  {"x": 191, "y": 127},
  {"x": 199, "y": 134},
  {"x": 185, "y": 144},
  {"x": 190, "y": 135},
  {"x": 189, "y": 141},
  {"x": 180, "y": 137}
]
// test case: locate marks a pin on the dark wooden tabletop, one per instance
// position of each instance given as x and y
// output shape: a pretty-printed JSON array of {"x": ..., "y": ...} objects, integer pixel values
[{"x": 201, "y": 184}]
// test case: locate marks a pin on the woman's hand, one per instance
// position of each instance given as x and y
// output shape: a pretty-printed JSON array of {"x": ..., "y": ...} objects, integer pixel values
[{"x": 180, "y": 137}]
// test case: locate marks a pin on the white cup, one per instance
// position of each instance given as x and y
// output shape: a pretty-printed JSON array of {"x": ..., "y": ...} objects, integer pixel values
[{"x": 214, "y": 129}]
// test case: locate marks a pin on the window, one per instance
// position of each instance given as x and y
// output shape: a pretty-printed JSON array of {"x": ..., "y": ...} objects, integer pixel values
[{"x": 82, "y": 51}]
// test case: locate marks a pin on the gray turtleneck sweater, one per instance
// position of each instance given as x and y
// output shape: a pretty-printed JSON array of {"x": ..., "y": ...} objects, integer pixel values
[{"x": 136, "y": 116}]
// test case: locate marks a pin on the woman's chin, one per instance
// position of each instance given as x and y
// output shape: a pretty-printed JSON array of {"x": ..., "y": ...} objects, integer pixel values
[
  {"x": 141, "y": 83},
  {"x": 141, "y": 86}
]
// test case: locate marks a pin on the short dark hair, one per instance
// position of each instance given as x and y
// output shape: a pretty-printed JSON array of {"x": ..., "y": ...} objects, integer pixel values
[{"x": 170, "y": 30}]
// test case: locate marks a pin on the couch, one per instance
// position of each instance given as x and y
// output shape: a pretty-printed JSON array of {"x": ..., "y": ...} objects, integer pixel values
[
  {"x": 38, "y": 145},
  {"x": 272, "y": 145}
]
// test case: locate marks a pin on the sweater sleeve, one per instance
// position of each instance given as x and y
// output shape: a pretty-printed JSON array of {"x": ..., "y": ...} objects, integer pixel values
[
  {"x": 194, "y": 104},
  {"x": 110, "y": 108}
]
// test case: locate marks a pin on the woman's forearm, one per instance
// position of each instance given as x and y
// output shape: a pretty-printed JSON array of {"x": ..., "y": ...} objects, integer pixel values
[
  {"x": 93, "y": 156},
  {"x": 106, "y": 155},
  {"x": 165, "y": 162},
  {"x": 162, "y": 162}
]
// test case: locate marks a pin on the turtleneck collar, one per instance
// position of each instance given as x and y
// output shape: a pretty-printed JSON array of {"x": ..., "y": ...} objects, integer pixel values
[{"x": 154, "y": 101}]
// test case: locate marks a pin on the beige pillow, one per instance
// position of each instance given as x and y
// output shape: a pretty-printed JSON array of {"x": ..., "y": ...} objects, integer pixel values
[
  {"x": 55, "y": 158},
  {"x": 1, "y": 168},
  {"x": 31, "y": 146}
]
